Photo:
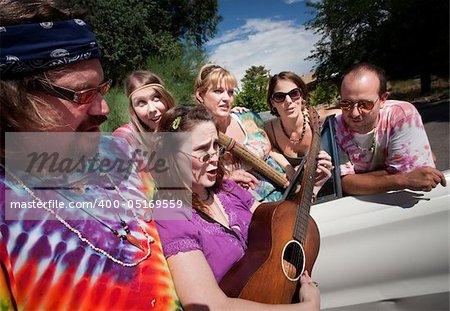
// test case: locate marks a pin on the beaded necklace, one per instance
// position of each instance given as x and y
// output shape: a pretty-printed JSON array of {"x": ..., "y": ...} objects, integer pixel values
[
  {"x": 372, "y": 145},
  {"x": 84, "y": 239},
  {"x": 302, "y": 135}
]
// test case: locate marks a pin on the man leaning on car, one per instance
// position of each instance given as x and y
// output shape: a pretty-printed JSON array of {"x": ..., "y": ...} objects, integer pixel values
[{"x": 382, "y": 143}]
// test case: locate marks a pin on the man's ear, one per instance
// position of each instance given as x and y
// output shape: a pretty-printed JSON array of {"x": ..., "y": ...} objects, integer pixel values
[
  {"x": 383, "y": 99},
  {"x": 199, "y": 96}
]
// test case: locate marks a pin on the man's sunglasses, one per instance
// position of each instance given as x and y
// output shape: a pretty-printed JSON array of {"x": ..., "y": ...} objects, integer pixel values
[
  {"x": 82, "y": 97},
  {"x": 362, "y": 105},
  {"x": 294, "y": 94}
]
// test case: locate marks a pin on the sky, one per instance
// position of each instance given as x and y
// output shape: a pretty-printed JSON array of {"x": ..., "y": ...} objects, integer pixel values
[{"x": 263, "y": 32}]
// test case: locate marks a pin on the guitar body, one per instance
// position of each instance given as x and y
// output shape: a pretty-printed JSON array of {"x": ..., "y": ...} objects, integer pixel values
[
  {"x": 270, "y": 270},
  {"x": 283, "y": 241}
]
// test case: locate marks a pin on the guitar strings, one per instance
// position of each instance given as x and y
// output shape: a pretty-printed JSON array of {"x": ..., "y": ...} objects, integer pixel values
[{"x": 297, "y": 257}]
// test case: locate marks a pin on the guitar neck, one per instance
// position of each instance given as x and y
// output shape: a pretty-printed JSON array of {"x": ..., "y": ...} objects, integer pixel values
[{"x": 304, "y": 196}]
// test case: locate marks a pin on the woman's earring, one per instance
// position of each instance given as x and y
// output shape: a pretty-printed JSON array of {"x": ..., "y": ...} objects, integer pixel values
[{"x": 273, "y": 110}]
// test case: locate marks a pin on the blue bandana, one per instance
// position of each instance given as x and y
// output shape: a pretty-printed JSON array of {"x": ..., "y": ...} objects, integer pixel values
[{"x": 25, "y": 48}]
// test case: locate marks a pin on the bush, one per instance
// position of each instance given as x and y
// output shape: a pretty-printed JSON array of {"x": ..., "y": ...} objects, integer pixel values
[{"x": 324, "y": 94}]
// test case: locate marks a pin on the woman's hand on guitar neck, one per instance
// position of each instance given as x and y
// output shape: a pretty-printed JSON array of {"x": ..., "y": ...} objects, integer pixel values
[
  {"x": 309, "y": 293},
  {"x": 324, "y": 168}
]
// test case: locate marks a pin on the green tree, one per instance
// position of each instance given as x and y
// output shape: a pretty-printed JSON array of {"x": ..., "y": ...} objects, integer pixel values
[
  {"x": 405, "y": 37},
  {"x": 254, "y": 89},
  {"x": 417, "y": 33},
  {"x": 325, "y": 92},
  {"x": 343, "y": 25},
  {"x": 129, "y": 31},
  {"x": 179, "y": 70}
]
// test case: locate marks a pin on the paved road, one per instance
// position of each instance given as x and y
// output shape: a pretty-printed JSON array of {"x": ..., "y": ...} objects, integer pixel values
[{"x": 435, "y": 117}]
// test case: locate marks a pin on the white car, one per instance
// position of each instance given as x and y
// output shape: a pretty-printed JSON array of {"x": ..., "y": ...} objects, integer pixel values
[{"x": 382, "y": 252}]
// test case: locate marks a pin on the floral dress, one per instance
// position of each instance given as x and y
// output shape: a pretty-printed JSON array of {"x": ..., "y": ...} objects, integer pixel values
[{"x": 258, "y": 143}]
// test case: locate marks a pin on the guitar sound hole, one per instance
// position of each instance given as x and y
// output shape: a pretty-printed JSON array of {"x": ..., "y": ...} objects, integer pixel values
[{"x": 293, "y": 260}]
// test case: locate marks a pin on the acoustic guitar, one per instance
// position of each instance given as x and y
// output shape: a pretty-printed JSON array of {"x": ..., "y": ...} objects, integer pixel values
[{"x": 283, "y": 241}]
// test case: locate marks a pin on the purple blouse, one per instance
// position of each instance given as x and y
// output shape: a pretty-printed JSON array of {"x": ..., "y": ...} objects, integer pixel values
[{"x": 221, "y": 248}]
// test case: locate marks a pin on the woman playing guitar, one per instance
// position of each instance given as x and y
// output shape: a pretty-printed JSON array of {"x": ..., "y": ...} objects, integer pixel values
[{"x": 213, "y": 236}]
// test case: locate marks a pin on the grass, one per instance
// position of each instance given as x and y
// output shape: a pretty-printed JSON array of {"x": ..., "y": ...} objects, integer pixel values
[
  {"x": 118, "y": 105},
  {"x": 409, "y": 90}
]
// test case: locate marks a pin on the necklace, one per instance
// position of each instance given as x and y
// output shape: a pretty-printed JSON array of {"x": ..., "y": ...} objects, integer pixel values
[
  {"x": 370, "y": 149},
  {"x": 302, "y": 135},
  {"x": 124, "y": 237},
  {"x": 128, "y": 236},
  {"x": 84, "y": 239}
]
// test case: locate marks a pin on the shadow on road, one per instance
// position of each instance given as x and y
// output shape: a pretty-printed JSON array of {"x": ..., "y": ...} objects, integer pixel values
[
  {"x": 434, "y": 112},
  {"x": 435, "y": 117}
]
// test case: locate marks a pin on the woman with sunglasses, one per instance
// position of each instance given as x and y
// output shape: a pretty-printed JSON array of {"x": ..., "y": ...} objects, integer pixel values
[
  {"x": 205, "y": 241},
  {"x": 214, "y": 88},
  {"x": 291, "y": 133},
  {"x": 148, "y": 100}
]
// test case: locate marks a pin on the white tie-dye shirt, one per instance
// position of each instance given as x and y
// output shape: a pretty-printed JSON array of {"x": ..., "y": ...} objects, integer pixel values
[{"x": 401, "y": 143}]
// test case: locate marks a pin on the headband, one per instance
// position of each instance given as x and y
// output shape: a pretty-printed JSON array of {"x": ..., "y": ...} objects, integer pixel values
[
  {"x": 30, "y": 47},
  {"x": 144, "y": 87},
  {"x": 208, "y": 70}
]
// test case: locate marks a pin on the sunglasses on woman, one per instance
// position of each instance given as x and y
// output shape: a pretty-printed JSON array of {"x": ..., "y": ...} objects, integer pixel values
[
  {"x": 362, "y": 105},
  {"x": 81, "y": 97},
  {"x": 294, "y": 94}
]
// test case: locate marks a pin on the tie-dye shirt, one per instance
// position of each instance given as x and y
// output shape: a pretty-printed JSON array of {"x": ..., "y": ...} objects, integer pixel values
[
  {"x": 400, "y": 142},
  {"x": 45, "y": 266},
  {"x": 131, "y": 136},
  {"x": 128, "y": 132}
]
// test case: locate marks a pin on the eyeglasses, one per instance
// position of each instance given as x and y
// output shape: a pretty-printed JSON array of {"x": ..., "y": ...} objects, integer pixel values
[
  {"x": 82, "y": 97},
  {"x": 362, "y": 105},
  {"x": 294, "y": 94},
  {"x": 207, "y": 156}
]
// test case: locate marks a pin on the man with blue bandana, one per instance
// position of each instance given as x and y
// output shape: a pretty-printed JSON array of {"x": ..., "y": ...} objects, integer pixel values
[{"x": 54, "y": 253}]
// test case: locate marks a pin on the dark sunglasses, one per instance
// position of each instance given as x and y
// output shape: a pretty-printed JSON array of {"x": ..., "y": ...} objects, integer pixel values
[
  {"x": 294, "y": 94},
  {"x": 82, "y": 97},
  {"x": 362, "y": 105}
]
